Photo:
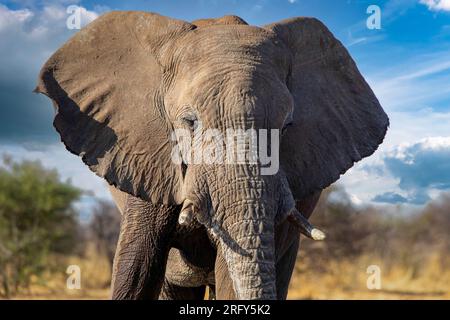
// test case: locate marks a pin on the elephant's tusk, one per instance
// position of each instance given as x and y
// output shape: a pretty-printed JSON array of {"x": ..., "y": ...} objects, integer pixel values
[
  {"x": 185, "y": 217},
  {"x": 304, "y": 226},
  {"x": 187, "y": 214}
]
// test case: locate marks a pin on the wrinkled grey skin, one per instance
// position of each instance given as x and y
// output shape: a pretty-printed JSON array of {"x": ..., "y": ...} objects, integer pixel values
[
  {"x": 123, "y": 83},
  {"x": 194, "y": 262}
]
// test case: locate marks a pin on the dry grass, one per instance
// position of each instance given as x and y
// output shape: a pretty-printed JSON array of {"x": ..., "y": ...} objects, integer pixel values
[
  {"x": 347, "y": 279},
  {"x": 95, "y": 280},
  {"x": 342, "y": 279}
]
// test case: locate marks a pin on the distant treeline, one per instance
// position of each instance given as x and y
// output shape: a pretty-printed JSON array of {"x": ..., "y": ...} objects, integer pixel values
[{"x": 394, "y": 237}]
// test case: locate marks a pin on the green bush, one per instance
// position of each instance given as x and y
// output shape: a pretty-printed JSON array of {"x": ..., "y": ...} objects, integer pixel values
[{"x": 36, "y": 218}]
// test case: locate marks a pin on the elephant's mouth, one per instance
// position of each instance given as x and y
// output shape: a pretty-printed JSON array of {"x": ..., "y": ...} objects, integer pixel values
[{"x": 189, "y": 212}]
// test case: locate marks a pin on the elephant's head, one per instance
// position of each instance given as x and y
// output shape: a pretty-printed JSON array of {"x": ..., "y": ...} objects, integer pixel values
[{"x": 126, "y": 87}]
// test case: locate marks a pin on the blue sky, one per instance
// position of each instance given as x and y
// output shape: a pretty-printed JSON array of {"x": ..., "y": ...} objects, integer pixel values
[{"x": 406, "y": 62}]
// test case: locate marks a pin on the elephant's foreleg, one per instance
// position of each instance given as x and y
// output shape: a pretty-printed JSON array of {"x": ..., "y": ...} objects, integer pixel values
[
  {"x": 285, "y": 266},
  {"x": 141, "y": 255}
]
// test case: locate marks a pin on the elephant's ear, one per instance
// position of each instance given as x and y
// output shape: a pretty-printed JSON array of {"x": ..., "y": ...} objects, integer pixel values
[
  {"x": 106, "y": 84},
  {"x": 337, "y": 119}
]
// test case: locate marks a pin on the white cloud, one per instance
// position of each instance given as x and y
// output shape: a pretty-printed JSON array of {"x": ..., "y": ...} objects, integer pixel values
[
  {"x": 404, "y": 151},
  {"x": 420, "y": 167},
  {"x": 356, "y": 41},
  {"x": 437, "y": 5},
  {"x": 52, "y": 15},
  {"x": 410, "y": 172},
  {"x": 355, "y": 200},
  {"x": 257, "y": 7},
  {"x": 13, "y": 17}
]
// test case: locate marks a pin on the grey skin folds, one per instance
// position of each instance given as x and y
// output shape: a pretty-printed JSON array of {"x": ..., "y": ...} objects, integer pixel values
[{"x": 124, "y": 83}]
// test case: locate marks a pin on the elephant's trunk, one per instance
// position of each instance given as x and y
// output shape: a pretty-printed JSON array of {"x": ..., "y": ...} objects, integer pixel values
[
  {"x": 249, "y": 256},
  {"x": 244, "y": 224}
]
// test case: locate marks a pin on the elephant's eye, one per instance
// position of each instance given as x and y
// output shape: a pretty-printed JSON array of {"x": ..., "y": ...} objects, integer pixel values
[
  {"x": 283, "y": 131},
  {"x": 190, "y": 120}
]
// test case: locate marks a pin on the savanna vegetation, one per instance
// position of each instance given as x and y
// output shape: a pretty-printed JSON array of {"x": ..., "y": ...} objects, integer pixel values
[
  {"x": 41, "y": 235},
  {"x": 409, "y": 249}
]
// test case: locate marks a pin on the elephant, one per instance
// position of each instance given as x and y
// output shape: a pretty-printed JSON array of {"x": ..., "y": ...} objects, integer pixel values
[{"x": 123, "y": 85}]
